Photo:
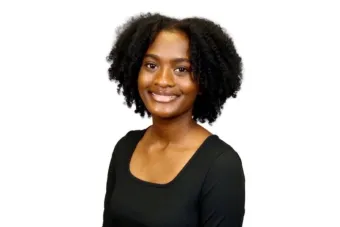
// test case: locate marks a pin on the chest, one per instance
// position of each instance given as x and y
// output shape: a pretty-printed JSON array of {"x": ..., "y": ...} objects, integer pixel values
[
  {"x": 138, "y": 203},
  {"x": 159, "y": 166}
]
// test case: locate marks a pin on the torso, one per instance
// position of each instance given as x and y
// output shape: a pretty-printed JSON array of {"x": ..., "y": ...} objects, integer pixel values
[{"x": 151, "y": 196}]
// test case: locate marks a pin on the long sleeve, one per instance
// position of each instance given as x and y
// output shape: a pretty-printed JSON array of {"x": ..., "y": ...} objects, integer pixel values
[
  {"x": 107, "y": 222},
  {"x": 223, "y": 194}
]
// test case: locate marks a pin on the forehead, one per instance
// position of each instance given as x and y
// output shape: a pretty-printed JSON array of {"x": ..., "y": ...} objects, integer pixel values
[{"x": 170, "y": 44}]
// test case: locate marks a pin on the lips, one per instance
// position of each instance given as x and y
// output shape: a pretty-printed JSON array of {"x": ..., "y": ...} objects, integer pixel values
[{"x": 165, "y": 97}]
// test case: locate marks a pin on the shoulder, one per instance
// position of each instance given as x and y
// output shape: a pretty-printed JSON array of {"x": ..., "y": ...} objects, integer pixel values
[
  {"x": 131, "y": 137},
  {"x": 224, "y": 160},
  {"x": 219, "y": 150}
]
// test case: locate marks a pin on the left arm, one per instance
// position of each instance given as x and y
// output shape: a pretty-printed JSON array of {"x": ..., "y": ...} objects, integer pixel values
[{"x": 223, "y": 194}]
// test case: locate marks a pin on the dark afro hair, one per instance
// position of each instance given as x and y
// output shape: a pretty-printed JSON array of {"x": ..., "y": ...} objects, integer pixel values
[{"x": 215, "y": 62}]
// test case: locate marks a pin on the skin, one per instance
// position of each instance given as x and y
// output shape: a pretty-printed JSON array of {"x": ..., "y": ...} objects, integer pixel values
[{"x": 174, "y": 137}]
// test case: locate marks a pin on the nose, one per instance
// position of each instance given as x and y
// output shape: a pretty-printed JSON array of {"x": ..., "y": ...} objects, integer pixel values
[{"x": 164, "y": 78}]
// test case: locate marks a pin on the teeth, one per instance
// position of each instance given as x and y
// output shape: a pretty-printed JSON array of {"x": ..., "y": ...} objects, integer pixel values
[{"x": 163, "y": 98}]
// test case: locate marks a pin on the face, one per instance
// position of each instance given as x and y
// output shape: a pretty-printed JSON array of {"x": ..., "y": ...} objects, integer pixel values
[{"x": 165, "y": 80}]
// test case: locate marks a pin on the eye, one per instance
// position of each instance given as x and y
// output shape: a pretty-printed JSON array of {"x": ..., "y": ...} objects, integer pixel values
[
  {"x": 151, "y": 66},
  {"x": 182, "y": 70}
]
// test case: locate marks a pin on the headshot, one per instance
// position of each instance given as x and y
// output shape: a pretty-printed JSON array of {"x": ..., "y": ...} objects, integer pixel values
[
  {"x": 175, "y": 172},
  {"x": 169, "y": 114}
]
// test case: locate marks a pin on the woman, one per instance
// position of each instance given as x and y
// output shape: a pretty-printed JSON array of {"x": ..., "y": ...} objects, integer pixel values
[{"x": 175, "y": 172}]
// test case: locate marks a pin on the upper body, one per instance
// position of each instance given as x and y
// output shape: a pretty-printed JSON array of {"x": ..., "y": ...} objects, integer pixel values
[
  {"x": 208, "y": 191},
  {"x": 175, "y": 172}
]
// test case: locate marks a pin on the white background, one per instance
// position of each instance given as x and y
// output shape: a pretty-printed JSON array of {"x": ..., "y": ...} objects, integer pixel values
[{"x": 61, "y": 117}]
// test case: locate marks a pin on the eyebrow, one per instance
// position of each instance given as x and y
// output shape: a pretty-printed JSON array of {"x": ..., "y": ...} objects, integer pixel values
[{"x": 154, "y": 56}]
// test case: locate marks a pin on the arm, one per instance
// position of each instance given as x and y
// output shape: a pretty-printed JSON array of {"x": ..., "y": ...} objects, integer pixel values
[
  {"x": 223, "y": 194},
  {"x": 107, "y": 222}
]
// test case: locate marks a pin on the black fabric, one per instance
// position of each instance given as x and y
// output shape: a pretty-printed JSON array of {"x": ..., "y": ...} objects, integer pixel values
[{"x": 208, "y": 192}]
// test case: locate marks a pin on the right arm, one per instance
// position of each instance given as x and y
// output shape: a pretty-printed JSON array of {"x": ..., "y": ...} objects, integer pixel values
[{"x": 111, "y": 178}]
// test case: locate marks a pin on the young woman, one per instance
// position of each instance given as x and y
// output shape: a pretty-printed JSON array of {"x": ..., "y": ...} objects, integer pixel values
[{"x": 174, "y": 172}]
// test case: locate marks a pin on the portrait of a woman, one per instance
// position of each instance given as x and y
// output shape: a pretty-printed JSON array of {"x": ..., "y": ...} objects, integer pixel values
[{"x": 179, "y": 72}]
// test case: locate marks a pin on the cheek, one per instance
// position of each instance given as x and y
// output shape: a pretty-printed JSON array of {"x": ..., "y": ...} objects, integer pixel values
[
  {"x": 189, "y": 88},
  {"x": 144, "y": 80}
]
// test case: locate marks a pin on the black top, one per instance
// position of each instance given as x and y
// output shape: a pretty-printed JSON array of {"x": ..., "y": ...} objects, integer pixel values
[{"x": 209, "y": 191}]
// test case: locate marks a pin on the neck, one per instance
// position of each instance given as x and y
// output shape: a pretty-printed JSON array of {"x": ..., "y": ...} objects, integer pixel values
[{"x": 172, "y": 130}]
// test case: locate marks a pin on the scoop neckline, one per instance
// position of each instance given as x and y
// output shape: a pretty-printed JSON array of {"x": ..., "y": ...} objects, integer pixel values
[{"x": 180, "y": 173}]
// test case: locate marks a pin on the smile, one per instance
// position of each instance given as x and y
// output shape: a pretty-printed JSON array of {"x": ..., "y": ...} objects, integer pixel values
[{"x": 163, "y": 98}]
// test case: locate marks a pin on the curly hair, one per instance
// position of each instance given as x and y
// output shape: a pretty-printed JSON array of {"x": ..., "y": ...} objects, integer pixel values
[{"x": 216, "y": 65}]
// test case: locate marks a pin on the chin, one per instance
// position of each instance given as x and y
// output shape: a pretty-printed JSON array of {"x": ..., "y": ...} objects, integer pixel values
[{"x": 163, "y": 114}]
